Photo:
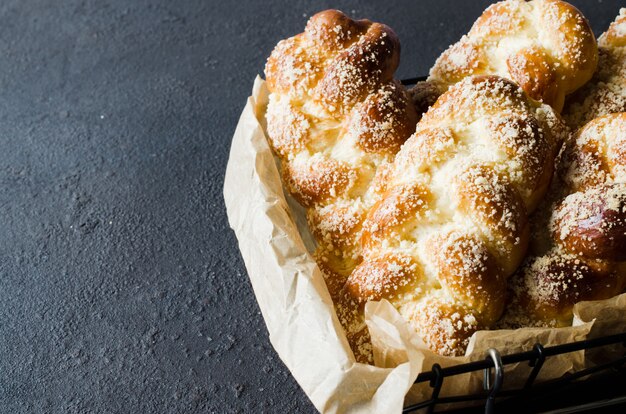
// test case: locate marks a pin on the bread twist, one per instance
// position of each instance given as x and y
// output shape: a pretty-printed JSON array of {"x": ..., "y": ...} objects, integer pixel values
[
  {"x": 546, "y": 46},
  {"x": 580, "y": 235},
  {"x": 335, "y": 117},
  {"x": 606, "y": 92},
  {"x": 452, "y": 223}
]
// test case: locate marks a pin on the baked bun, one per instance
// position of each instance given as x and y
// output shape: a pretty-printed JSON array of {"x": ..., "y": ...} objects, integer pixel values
[
  {"x": 546, "y": 46},
  {"x": 581, "y": 235},
  {"x": 336, "y": 116},
  {"x": 452, "y": 222},
  {"x": 606, "y": 92}
]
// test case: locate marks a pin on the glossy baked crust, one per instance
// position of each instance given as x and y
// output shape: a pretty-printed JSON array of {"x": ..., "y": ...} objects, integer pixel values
[
  {"x": 580, "y": 232},
  {"x": 545, "y": 46}
]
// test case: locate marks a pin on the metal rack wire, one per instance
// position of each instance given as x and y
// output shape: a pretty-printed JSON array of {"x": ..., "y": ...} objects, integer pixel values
[
  {"x": 413, "y": 81},
  {"x": 494, "y": 363}
]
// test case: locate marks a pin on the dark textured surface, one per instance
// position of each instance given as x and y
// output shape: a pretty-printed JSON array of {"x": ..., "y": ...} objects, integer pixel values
[{"x": 121, "y": 285}]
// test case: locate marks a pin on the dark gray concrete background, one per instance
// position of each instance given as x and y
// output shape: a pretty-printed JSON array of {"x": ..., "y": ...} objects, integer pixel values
[{"x": 121, "y": 286}]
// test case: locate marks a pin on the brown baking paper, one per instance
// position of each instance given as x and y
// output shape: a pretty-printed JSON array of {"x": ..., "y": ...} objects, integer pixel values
[{"x": 303, "y": 328}]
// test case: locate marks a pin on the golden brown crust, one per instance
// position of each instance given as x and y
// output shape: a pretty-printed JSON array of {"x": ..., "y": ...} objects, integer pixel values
[
  {"x": 382, "y": 277},
  {"x": 547, "y": 288},
  {"x": 596, "y": 154},
  {"x": 444, "y": 325},
  {"x": 360, "y": 69},
  {"x": 546, "y": 46},
  {"x": 317, "y": 180},
  {"x": 336, "y": 224},
  {"x": 496, "y": 207},
  {"x": 468, "y": 269},
  {"x": 606, "y": 92},
  {"x": 455, "y": 210},
  {"x": 336, "y": 118},
  {"x": 398, "y": 206},
  {"x": 580, "y": 230},
  {"x": 530, "y": 69},
  {"x": 592, "y": 224},
  {"x": 378, "y": 130}
]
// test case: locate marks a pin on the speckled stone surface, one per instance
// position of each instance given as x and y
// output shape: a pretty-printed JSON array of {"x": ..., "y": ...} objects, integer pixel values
[{"x": 121, "y": 286}]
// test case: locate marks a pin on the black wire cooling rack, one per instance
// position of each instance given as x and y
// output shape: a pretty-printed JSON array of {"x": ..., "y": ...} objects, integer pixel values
[
  {"x": 493, "y": 376},
  {"x": 493, "y": 372}
]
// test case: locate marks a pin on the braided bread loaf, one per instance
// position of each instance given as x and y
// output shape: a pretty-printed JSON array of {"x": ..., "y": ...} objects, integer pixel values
[
  {"x": 335, "y": 117},
  {"x": 451, "y": 225},
  {"x": 606, "y": 92},
  {"x": 580, "y": 235},
  {"x": 546, "y": 46}
]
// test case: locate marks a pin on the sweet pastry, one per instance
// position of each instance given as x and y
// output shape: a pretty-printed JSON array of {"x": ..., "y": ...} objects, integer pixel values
[
  {"x": 580, "y": 232},
  {"x": 438, "y": 228},
  {"x": 452, "y": 222},
  {"x": 606, "y": 92},
  {"x": 335, "y": 118},
  {"x": 546, "y": 46}
]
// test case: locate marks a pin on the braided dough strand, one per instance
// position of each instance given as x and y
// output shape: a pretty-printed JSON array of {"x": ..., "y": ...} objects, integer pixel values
[
  {"x": 580, "y": 240},
  {"x": 452, "y": 225},
  {"x": 545, "y": 46},
  {"x": 336, "y": 117},
  {"x": 606, "y": 92}
]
